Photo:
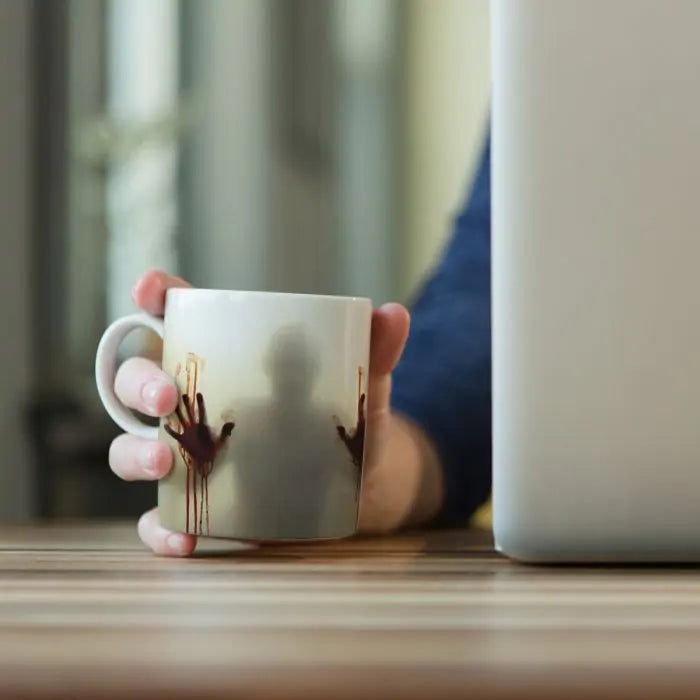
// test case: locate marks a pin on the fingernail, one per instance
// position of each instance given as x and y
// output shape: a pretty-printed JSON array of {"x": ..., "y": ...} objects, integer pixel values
[
  {"x": 177, "y": 544},
  {"x": 148, "y": 461},
  {"x": 150, "y": 393}
]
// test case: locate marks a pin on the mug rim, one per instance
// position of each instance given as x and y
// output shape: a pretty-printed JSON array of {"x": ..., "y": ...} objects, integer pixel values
[{"x": 262, "y": 294}]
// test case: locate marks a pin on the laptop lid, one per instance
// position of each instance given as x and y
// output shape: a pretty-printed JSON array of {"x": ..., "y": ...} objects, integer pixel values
[{"x": 596, "y": 279}]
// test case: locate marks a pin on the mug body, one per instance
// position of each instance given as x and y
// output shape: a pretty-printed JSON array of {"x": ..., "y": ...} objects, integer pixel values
[{"x": 268, "y": 438}]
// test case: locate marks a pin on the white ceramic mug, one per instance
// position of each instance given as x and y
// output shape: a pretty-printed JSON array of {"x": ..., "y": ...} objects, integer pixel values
[{"x": 268, "y": 438}]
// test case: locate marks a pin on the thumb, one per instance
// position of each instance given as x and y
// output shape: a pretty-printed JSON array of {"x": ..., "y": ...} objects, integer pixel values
[{"x": 390, "y": 327}]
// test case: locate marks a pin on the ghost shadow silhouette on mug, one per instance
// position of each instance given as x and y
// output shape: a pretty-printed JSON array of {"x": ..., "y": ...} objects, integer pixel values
[{"x": 292, "y": 475}]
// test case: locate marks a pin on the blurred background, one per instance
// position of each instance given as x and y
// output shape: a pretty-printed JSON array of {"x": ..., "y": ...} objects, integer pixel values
[{"x": 287, "y": 145}]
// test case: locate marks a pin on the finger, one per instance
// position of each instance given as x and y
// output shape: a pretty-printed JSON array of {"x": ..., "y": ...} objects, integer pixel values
[
  {"x": 189, "y": 409},
  {"x": 173, "y": 434},
  {"x": 164, "y": 542},
  {"x": 180, "y": 417},
  {"x": 149, "y": 291},
  {"x": 202, "y": 412},
  {"x": 142, "y": 385},
  {"x": 135, "y": 459},
  {"x": 379, "y": 395},
  {"x": 226, "y": 431},
  {"x": 390, "y": 326}
]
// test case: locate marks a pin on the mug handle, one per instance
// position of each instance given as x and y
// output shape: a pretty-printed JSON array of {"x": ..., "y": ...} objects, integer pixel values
[{"x": 105, "y": 372}]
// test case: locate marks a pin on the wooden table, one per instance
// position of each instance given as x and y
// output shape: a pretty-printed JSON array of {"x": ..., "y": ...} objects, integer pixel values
[{"x": 86, "y": 612}]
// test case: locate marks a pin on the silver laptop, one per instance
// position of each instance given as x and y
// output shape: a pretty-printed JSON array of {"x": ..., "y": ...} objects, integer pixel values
[{"x": 596, "y": 279}]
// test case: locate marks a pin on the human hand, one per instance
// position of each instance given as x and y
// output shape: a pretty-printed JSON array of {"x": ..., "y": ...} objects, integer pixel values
[{"x": 142, "y": 385}]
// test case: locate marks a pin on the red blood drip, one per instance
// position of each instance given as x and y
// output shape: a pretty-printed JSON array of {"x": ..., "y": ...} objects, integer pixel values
[{"x": 197, "y": 444}]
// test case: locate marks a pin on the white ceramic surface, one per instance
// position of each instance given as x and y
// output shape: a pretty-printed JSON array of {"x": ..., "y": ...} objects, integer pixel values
[{"x": 286, "y": 370}]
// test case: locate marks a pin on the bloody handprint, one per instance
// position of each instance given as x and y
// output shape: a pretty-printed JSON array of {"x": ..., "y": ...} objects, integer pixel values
[
  {"x": 354, "y": 439},
  {"x": 196, "y": 437},
  {"x": 197, "y": 444}
]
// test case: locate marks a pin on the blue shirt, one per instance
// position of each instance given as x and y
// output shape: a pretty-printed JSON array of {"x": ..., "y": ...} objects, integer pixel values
[{"x": 443, "y": 381}]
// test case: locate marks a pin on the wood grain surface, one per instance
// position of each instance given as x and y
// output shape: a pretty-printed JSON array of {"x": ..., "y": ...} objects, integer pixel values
[{"x": 85, "y": 611}]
